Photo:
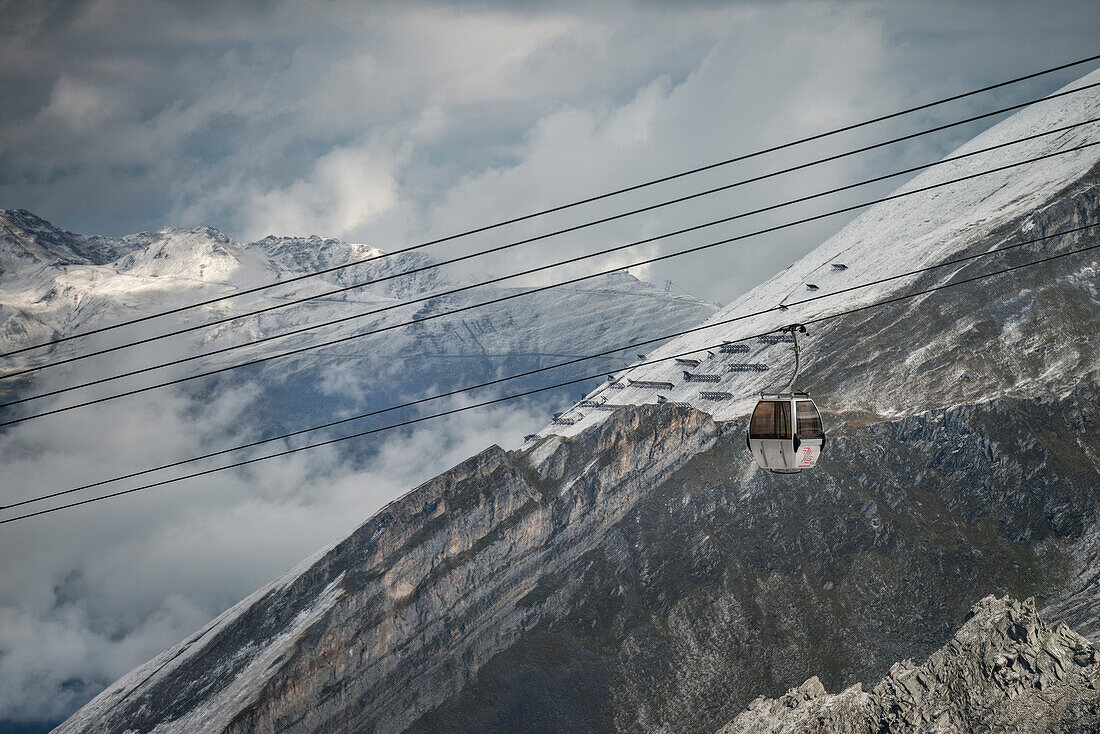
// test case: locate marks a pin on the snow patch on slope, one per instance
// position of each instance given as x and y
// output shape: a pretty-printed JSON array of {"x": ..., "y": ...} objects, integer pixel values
[
  {"x": 913, "y": 232},
  {"x": 220, "y": 708}
]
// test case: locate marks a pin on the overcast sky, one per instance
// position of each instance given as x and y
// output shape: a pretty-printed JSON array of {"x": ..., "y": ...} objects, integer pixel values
[{"x": 393, "y": 123}]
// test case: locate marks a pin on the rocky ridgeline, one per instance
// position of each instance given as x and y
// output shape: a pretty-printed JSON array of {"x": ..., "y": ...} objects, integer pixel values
[{"x": 1004, "y": 670}]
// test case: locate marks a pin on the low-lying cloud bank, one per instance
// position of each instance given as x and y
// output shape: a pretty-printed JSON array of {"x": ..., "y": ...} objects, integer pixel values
[{"x": 88, "y": 593}]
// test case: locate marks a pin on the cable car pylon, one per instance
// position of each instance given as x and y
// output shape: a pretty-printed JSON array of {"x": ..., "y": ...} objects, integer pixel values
[{"x": 785, "y": 433}]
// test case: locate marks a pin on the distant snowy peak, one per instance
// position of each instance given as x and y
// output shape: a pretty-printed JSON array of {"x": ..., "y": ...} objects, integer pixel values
[
  {"x": 39, "y": 258},
  {"x": 33, "y": 252},
  {"x": 356, "y": 263},
  {"x": 313, "y": 253},
  {"x": 27, "y": 241},
  {"x": 201, "y": 254},
  {"x": 175, "y": 266}
]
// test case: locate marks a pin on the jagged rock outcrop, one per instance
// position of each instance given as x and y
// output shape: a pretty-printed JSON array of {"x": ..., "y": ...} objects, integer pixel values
[{"x": 1004, "y": 670}]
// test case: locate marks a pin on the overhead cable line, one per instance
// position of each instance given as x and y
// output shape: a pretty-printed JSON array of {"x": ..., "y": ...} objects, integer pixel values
[
  {"x": 536, "y": 238},
  {"x": 300, "y": 350},
  {"x": 524, "y": 273},
  {"x": 563, "y": 207},
  {"x": 539, "y": 370},
  {"x": 526, "y": 393}
]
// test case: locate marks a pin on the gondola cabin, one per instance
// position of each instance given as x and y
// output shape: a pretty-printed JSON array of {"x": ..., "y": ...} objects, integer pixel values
[{"x": 785, "y": 433}]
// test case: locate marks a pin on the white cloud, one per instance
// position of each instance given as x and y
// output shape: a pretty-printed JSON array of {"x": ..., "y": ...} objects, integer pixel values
[
  {"x": 347, "y": 188},
  {"x": 78, "y": 105},
  {"x": 310, "y": 117}
]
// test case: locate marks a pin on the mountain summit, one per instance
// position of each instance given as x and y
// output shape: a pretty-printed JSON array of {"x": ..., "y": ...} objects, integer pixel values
[{"x": 27, "y": 241}]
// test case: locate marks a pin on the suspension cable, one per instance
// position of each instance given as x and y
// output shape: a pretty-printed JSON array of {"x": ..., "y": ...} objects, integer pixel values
[
  {"x": 536, "y": 238},
  {"x": 570, "y": 205},
  {"x": 664, "y": 337},
  {"x": 429, "y": 317}
]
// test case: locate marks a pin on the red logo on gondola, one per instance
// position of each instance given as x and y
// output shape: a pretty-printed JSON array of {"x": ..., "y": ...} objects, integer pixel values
[{"x": 807, "y": 456}]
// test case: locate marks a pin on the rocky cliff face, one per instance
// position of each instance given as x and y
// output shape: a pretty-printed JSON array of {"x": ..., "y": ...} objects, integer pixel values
[
  {"x": 642, "y": 577},
  {"x": 387, "y": 623},
  {"x": 725, "y": 582},
  {"x": 1005, "y": 670}
]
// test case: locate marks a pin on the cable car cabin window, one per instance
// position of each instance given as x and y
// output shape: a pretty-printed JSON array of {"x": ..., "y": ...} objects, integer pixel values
[
  {"x": 809, "y": 420},
  {"x": 771, "y": 419}
]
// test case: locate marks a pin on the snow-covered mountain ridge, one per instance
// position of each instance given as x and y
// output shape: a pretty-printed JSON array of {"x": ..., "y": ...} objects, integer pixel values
[
  {"x": 893, "y": 237},
  {"x": 27, "y": 241},
  {"x": 66, "y": 282},
  {"x": 60, "y": 283}
]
